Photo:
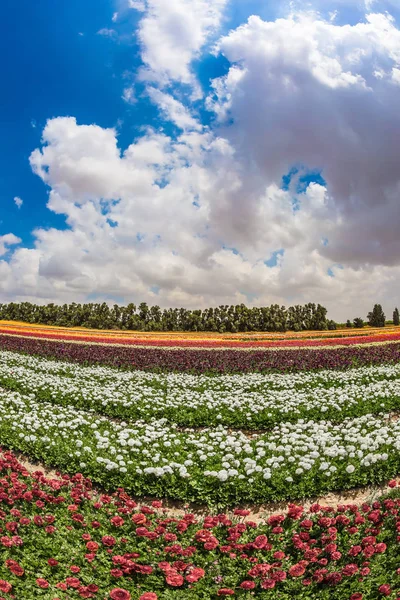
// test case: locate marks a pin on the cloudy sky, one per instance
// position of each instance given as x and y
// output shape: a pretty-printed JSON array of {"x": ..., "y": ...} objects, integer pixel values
[{"x": 201, "y": 152}]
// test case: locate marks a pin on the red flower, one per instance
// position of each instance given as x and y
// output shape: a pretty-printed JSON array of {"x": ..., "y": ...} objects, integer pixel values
[
  {"x": 268, "y": 584},
  {"x": 73, "y": 582},
  {"x": 195, "y": 574},
  {"x": 116, "y": 572},
  {"x": 356, "y": 596},
  {"x": 225, "y": 592},
  {"x": 392, "y": 483},
  {"x": 42, "y": 583},
  {"x": 5, "y": 586},
  {"x": 385, "y": 589},
  {"x": 295, "y": 512},
  {"x": 149, "y": 595},
  {"x": 117, "y": 521},
  {"x": 52, "y": 562},
  {"x": 174, "y": 579},
  {"x": 260, "y": 542},
  {"x": 139, "y": 519},
  {"x": 61, "y": 586},
  {"x": 120, "y": 594},
  {"x": 16, "y": 569},
  {"x": 74, "y": 569},
  {"x": 247, "y": 585},
  {"x": 297, "y": 570},
  {"x": 108, "y": 540},
  {"x": 92, "y": 546}
]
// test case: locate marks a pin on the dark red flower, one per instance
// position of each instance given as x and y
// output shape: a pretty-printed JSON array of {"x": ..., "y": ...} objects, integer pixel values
[
  {"x": 247, "y": 585},
  {"x": 120, "y": 594},
  {"x": 225, "y": 592},
  {"x": 42, "y": 583},
  {"x": 385, "y": 589},
  {"x": 108, "y": 540}
]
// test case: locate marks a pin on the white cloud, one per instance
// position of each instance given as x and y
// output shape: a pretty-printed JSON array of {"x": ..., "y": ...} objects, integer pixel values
[
  {"x": 18, "y": 201},
  {"x": 173, "y": 110},
  {"x": 9, "y": 239},
  {"x": 137, "y": 5},
  {"x": 129, "y": 95},
  {"x": 105, "y": 32},
  {"x": 305, "y": 91},
  {"x": 173, "y": 33},
  {"x": 115, "y": 17}
]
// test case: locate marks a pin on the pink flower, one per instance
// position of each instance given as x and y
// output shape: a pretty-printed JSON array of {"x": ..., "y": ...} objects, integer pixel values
[
  {"x": 120, "y": 594},
  {"x": 385, "y": 589}
]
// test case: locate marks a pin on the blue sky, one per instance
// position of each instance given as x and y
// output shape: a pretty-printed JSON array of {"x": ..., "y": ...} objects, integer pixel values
[
  {"x": 240, "y": 190},
  {"x": 49, "y": 69}
]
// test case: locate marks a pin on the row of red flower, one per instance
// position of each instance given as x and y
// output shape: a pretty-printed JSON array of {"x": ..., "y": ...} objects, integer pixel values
[
  {"x": 204, "y": 343},
  {"x": 206, "y": 360},
  {"x": 61, "y": 539}
]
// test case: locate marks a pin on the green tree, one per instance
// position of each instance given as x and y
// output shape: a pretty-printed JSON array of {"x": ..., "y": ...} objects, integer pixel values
[
  {"x": 377, "y": 318},
  {"x": 396, "y": 317}
]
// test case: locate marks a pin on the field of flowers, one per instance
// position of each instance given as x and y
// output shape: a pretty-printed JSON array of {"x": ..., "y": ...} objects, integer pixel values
[
  {"x": 217, "y": 426},
  {"x": 62, "y": 539}
]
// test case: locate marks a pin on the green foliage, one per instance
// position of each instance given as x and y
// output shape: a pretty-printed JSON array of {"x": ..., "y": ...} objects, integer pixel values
[
  {"x": 376, "y": 318},
  {"x": 358, "y": 323},
  {"x": 396, "y": 317},
  {"x": 348, "y": 323},
  {"x": 223, "y": 319}
]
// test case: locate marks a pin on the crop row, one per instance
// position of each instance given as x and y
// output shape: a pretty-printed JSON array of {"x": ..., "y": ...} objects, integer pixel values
[
  {"x": 213, "y": 465},
  {"x": 129, "y": 340},
  {"x": 250, "y": 401},
  {"x": 203, "y": 360},
  {"x": 60, "y": 539}
]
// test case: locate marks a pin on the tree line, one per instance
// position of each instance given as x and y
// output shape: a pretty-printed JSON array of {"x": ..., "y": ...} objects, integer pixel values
[
  {"x": 375, "y": 318},
  {"x": 224, "y": 318}
]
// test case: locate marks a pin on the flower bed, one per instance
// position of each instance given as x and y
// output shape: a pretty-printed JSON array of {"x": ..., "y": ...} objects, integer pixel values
[
  {"x": 250, "y": 401},
  {"x": 203, "y": 360},
  {"x": 175, "y": 341},
  {"x": 215, "y": 465},
  {"x": 61, "y": 539}
]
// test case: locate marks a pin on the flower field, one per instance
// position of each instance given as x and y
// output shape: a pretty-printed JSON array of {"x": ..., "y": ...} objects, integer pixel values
[
  {"x": 216, "y": 426},
  {"x": 210, "y": 354},
  {"x": 62, "y": 539}
]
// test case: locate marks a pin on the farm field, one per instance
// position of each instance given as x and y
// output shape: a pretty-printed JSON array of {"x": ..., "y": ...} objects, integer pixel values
[{"x": 216, "y": 434}]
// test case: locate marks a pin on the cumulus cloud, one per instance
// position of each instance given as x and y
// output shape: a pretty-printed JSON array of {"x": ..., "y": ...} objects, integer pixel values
[
  {"x": 18, "y": 201},
  {"x": 9, "y": 239},
  {"x": 173, "y": 110},
  {"x": 173, "y": 33},
  {"x": 303, "y": 91},
  {"x": 203, "y": 216}
]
